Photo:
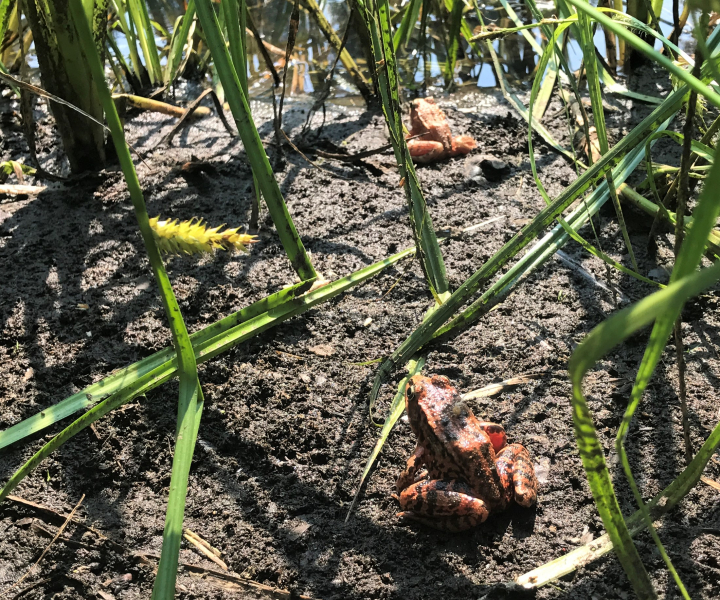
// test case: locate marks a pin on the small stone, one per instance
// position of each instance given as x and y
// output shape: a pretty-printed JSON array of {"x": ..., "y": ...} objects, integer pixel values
[
  {"x": 29, "y": 374},
  {"x": 322, "y": 350},
  {"x": 367, "y": 322},
  {"x": 493, "y": 168}
]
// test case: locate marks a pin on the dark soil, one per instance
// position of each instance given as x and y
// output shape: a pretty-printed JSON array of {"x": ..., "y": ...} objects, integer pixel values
[{"x": 286, "y": 432}]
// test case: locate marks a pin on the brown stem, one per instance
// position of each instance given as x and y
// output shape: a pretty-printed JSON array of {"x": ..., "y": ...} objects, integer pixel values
[{"x": 683, "y": 193}]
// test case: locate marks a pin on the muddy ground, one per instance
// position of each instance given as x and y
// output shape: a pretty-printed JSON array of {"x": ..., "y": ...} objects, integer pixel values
[{"x": 285, "y": 433}]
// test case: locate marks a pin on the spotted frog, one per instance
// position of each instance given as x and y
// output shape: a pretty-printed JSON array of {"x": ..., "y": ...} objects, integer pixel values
[
  {"x": 463, "y": 468},
  {"x": 436, "y": 142}
]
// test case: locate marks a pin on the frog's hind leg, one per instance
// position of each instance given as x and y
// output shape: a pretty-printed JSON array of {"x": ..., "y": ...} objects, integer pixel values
[
  {"x": 496, "y": 433},
  {"x": 517, "y": 473},
  {"x": 445, "y": 505}
]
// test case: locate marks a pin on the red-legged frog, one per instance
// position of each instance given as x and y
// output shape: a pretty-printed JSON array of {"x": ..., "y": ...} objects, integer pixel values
[
  {"x": 463, "y": 468},
  {"x": 437, "y": 142}
]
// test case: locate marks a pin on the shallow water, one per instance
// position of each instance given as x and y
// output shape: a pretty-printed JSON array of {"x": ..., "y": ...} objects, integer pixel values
[{"x": 418, "y": 65}]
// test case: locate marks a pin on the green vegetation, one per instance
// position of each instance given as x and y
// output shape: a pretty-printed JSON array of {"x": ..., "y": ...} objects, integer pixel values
[{"x": 76, "y": 47}]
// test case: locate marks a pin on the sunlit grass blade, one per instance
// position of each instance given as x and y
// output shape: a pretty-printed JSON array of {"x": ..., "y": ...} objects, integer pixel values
[
  {"x": 665, "y": 501},
  {"x": 253, "y": 144},
  {"x": 396, "y": 410},
  {"x": 544, "y": 248},
  {"x": 155, "y": 370},
  {"x": 180, "y": 41},
  {"x": 590, "y": 61},
  {"x": 189, "y": 396},
  {"x": 139, "y": 69},
  {"x": 522, "y": 110},
  {"x": 407, "y": 24},
  {"x": 596, "y": 345},
  {"x": 377, "y": 18},
  {"x": 634, "y": 41},
  {"x": 663, "y": 308},
  {"x": 334, "y": 40},
  {"x": 453, "y": 40},
  {"x": 593, "y": 176},
  {"x": 652, "y": 209},
  {"x": 137, "y": 12},
  {"x": 124, "y": 377}
]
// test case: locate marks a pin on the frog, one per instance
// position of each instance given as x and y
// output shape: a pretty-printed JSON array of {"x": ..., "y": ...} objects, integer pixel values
[
  {"x": 436, "y": 142},
  {"x": 462, "y": 469}
]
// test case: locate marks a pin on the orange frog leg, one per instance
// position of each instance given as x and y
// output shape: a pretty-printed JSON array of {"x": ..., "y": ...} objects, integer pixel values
[
  {"x": 426, "y": 151},
  {"x": 413, "y": 470},
  {"x": 462, "y": 144},
  {"x": 496, "y": 433},
  {"x": 517, "y": 474},
  {"x": 445, "y": 505}
]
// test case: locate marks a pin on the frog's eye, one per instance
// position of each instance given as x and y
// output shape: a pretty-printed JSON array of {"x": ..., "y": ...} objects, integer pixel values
[{"x": 410, "y": 392}]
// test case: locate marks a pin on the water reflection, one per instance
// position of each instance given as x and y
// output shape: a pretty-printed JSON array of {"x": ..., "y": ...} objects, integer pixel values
[{"x": 421, "y": 61}]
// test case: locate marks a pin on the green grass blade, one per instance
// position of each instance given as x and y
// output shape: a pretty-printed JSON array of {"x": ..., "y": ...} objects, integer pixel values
[
  {"x": 592, "y": 177},
  {"x": 137, "y": 11},
  {"x": 190, "y": 396},
  {"x": 593, "y": 80},
  {"x": 431, "y": 257},
  {"x": 131, "y": 38},
  {"x": 597, "y": 344},
  {"x": 456, "y": 13},
  {"x": 634, "y": 41},
  {"x": 253, "y": 144},
  {"x": 512, "y": 98},
  {"x": 407, "y": 24},
  {"x": 178, "y": 43},
  {"x": 396, "y": 410},
  {"x": 6, "y": 10},
  {"x": 512, "y": 15},
  {"x": 123, "y": 377},
  {"x": 208, "y": 343},
  {"x": 139, "y": 386},
  {"x": 658, "y": 506},
  {"x": 544, "y": 248}
]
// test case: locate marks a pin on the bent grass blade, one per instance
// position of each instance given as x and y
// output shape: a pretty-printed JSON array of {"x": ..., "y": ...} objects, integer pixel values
[{"x": 148, "y": 374}]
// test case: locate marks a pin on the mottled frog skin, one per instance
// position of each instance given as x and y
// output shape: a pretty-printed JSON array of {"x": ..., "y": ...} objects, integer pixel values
[
  {"x": 436, "y": 142},
  {"x": 463, "y": 468}
]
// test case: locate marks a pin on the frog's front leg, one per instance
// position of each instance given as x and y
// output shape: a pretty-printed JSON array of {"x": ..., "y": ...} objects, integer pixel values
[
  {"x": 413, "y": 469},
  {"x": 517, "y": 474},
  {"x": 446, "y": 505}
]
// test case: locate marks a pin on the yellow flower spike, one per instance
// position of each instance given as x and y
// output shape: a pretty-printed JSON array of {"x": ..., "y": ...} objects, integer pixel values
[{"x": 195, "y": 237}]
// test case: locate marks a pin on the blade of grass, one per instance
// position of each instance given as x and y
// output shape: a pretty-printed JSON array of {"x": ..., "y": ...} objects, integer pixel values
[
  {"x": 664, "y": 311},
  {"x": 137, "y": 10},
  {"x": 658, "y": 506},
  {"x": 610, "y": 185},
  {"x": 543, "y": 249},
  {"x": 180, "y": 40},
  {"x": 396, "y": 410},
  {"x": 215, "y": 340},
  {"x": 407, "y": 24},
  {"x": 253, "y": 144},
  {"x": 596, "y": 345},
  {"x": 590, "y": 60},
  {"x": 123, "y": 377},
  {"x": 138, "y": 67},
  {"x": 431, "y": 259},
  {"x": 590, "y": 178},
  {"x": 456, "y": 13},
  {"x": 634, "y": 41},
  {"x": 190, "y": 396}
]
